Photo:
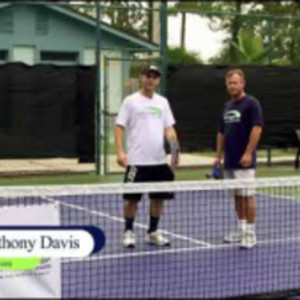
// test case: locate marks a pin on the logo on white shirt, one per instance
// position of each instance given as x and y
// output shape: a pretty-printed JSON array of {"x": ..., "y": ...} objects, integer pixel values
[{"x": 156, "y": 110}]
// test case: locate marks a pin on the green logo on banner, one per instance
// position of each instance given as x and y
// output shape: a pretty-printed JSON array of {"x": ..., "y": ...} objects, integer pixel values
[{"x": 16, "y": 264}]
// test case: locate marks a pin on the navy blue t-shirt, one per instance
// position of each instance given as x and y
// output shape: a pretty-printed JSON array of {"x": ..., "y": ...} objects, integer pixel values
[{"x": 238, "y": 119}]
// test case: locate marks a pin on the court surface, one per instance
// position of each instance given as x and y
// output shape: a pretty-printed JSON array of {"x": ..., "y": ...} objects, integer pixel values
[{"x": 198, "y": 264}]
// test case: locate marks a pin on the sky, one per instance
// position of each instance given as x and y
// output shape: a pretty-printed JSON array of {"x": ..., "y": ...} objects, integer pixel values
[{"x": 199, "y": 37}]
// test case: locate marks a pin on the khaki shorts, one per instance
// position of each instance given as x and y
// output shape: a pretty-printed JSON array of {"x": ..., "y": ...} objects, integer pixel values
[{"x": 242, "y": 174}]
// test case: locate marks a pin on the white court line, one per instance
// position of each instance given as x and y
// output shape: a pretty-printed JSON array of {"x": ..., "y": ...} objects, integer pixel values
[
  {"x": 180, "y": 250},
  {"x": 280, "y": 197},
  {"x": 136, "y": 224}
]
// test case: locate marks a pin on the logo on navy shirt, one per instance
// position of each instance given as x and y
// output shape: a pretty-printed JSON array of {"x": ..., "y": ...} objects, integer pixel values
[{"x": 232, "y": 116}]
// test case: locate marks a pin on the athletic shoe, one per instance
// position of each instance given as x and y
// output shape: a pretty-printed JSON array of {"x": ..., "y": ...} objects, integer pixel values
[
  {"x": 248, "y": 240},
  {"x": 156, "y": 238},
  {"x": 129, "y": 239},
  {"x": 234, "y": 237}
]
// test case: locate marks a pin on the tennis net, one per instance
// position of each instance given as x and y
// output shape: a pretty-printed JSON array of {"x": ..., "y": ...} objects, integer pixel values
[{"x": 198, "y": 263}]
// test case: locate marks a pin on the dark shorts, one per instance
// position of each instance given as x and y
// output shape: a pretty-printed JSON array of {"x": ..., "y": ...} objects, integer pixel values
[{"x": 149, "y": 174}]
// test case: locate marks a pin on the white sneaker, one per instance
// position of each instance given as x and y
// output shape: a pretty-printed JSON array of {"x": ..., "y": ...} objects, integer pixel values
[
  {"x": 156, "y": 238},
  {"x": 129, "y": 239},
  {"x": 234, "y": 237},
  {"x": 248, "y": 240}
]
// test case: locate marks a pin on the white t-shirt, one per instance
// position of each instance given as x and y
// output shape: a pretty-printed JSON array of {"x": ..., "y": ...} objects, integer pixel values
[{"x": 144, "y": 120}]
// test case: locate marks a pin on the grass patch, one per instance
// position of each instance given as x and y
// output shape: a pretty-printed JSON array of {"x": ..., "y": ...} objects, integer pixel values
[
  {"x": 260, "y": 153},
  {"x": 92, "y": 178}
]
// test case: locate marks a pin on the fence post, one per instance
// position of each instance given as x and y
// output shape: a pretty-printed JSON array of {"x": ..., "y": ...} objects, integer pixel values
[{"x": 164, "y": 45}]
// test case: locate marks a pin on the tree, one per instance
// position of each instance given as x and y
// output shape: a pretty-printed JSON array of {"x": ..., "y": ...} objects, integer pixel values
[
  {"x": 286, "y": 47},
  {"x": 200, "y": 7},
  {"x": 231, "y": 16},
  {"x": 131, "y": 16},
  {"x": 228, "y": 17},
  {"x": 250, "y": 48},
  {"x": 286, "y": 44},
  {"x": 177, "y": 55}
]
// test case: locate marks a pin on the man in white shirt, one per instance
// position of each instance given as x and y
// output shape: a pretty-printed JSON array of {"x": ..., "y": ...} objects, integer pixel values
[{"x": 147, "y": 119}]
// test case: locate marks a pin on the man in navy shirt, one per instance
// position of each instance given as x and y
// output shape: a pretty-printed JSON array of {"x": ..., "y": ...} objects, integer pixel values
[{"x": 238, "y": 136}]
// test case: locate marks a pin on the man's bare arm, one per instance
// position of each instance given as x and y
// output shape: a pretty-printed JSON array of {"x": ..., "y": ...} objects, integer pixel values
[
  {"x": 119, "y": 142},
  {"x": 171, "y": 136},
  {"x": 254, "y": 138},
  {"x": 220, "y": 147}
]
